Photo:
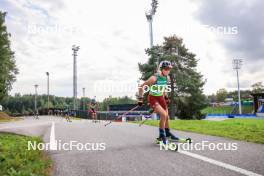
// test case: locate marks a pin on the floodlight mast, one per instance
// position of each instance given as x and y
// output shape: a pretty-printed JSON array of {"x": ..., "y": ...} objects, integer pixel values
[
  {"x": 83, "y": 98},
  {"x": 237, "y": 63},
  {"x": 150, "y": 14},
  {"x": 75, "y": 49},
  {"x": 47, "y": 73},
  {"x": 35, "y": 102}
]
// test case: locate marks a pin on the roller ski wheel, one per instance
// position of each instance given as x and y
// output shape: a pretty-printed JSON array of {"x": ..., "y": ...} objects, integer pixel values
[
  {"x": 189, "y": 140},
  {"x": 171, "y": 144},
  {"x": 158, "y": 140}
]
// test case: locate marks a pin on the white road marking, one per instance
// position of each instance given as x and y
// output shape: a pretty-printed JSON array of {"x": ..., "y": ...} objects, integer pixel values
[
  {"x": 221, "y": 164},
  {"x": 53, "y": 143}
]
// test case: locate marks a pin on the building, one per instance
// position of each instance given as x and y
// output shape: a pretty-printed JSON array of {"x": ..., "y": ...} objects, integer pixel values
[{"x": 258, "y": 104}]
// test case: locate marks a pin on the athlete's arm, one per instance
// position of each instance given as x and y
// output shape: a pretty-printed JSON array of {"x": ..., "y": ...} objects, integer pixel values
[
  {"x": 149, "y": 82},
  {"x": 165, "y": 94},
  {"x": 89, "y": 105}
]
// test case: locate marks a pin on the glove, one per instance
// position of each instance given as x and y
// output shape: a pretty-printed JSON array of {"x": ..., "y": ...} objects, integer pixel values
[
  {"x": 140, "y": 101},
  {"x": 151, "y": 110},
  {"x": 167, "y": 100}
]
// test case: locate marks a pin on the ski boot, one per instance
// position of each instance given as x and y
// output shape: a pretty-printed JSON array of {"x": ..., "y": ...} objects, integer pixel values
[{"x": 172, "y": 138}]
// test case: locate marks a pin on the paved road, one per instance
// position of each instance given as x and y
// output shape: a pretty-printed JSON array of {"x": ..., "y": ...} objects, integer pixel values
[{"x": 130, "y": 150}]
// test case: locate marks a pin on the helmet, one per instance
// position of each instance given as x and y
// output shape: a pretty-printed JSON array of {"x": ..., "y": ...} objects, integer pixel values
[
  {"x": 93, "y": 100},
  {"x": 165, "y": 64}
]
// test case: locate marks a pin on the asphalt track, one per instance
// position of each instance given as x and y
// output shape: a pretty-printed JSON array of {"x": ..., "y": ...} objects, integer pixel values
[{"x": 130, "y": 150}]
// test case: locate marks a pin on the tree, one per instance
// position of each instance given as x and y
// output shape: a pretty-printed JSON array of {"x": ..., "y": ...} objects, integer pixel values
[
  {"x": 221, "y": 95},
  {"x": 8, "y": 68},
  {"x": 244, "y": 94},
  {"x": 211, "y": 98},
  {"x": 257, "y": 87},
  {"x": 187, "y": 99},
  {"x": 115, "y": 100}
]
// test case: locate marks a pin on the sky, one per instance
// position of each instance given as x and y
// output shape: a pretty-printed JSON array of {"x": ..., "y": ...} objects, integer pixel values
[{"x": 113, "y": 36}]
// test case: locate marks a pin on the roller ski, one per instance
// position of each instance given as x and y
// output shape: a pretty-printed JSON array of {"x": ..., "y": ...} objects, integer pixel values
[
  {"x": 180, "y": 140},
  {"x": 161, "y": 140},
  {"x": 165, "y": 144},
  {"x": 95, "y": 121},
  {"x": 172, "y": 138}
]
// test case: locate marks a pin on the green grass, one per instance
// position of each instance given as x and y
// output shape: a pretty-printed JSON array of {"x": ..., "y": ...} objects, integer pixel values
[
  {"x": 17, "y": 160},
  {"x": 217, "y": 110},
  {"x": 6, "y": 118},
  {"x": 75, "y": 118},
  {"x": 10, "y": 120},
  {"x": 226, "y": 110},
  {"x": 250, "y": 130}
]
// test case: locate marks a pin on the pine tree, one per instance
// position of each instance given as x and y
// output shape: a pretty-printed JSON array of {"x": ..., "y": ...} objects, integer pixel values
[{"x": 8, "y": 68}]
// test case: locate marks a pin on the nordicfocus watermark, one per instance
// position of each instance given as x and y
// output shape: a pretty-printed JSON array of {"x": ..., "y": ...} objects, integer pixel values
[
  {"x": 44, "y": 29},
  {"x": 128, "y": 87},
  {"x": 67, "y": 146},
  {"x": 204, "y": 145},
  {"x": 221, "y": 30},
  {"x": 156, "y": 88}
]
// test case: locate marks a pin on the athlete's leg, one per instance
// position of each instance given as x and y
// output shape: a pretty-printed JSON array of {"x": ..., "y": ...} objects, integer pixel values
[
  {"x": 163, "y": 114},
  {"x": 167, "y": 129},
  {"x": 93, "y": 117},
  {"x": 167, "y": 125},
  {"x": 157, "y": 105}
]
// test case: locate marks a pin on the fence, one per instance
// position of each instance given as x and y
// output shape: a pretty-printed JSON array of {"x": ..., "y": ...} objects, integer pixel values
[{"x": 113, "y": 115}]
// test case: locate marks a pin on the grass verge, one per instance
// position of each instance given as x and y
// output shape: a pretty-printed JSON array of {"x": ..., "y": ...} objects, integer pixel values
[
  {"x": 226, "y": 110},
  {"x": 17, "y": 160},
  {"x": 75, "y": 118},
  {"x": 250, "y": 130},
  {"x": 10, "y": 119},
  {"x": 6, "y": 118}
]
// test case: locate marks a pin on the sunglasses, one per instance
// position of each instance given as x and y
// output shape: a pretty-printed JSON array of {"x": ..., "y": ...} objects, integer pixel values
[{"x": 167, "y": 69}]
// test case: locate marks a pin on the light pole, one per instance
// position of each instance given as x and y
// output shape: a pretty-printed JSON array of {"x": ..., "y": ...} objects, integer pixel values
[
  {"x": 83, "y": 98},
  {"x": 75, "y": 49},
  {"x": 175, "y": 52},
  {"x": 150, "y": 14},
  {"x": 83, "y": 91},
  {"x": 237, "y": 63},
  {"x": 36, "y": 93},
  {"x": 47, "y": 73},
  {"x": 150, "y": 19}
]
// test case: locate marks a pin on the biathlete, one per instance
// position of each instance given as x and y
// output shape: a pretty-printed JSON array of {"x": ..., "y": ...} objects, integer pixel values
[
  {"x": 158, "y": 100},
  {"x": 92, "y": 109}
]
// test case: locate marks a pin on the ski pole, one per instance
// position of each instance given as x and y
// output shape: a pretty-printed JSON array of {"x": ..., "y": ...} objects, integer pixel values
[
  {"x": 125, "y": 113},
  {"x": 141, "y": 123}
]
